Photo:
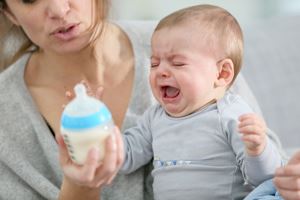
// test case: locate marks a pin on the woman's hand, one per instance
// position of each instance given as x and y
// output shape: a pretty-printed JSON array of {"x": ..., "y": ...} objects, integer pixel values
[
  {"x": 287, "y": 179},
  {"x": 92, "y": 174},
  {"x": 85, "y": 181},
  {"x": 253, "y": 130}
]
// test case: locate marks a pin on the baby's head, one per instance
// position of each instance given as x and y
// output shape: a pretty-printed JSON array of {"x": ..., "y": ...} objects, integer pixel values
[{"x": 196, "y": 55}]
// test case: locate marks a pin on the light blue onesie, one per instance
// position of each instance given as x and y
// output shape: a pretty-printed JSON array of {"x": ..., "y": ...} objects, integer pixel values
[{"x": 199, "y": 156}]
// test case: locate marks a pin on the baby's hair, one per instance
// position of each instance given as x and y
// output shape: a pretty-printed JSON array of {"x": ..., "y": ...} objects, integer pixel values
[{"x": 221, "y": 31}]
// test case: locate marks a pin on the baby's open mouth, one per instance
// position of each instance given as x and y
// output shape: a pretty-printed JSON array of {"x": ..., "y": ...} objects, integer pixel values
[{"x": 170, "y": 92}]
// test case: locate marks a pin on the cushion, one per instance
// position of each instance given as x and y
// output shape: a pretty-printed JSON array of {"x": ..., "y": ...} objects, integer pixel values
[{"x": 271, "y": 68}]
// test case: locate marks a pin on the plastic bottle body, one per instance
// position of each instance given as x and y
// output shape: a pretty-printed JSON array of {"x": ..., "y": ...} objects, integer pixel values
[
  {"x": 80, "y": 142},
  {"x": 85, "y": 123}
]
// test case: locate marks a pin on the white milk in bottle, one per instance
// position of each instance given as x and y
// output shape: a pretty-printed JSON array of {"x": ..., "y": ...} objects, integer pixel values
[{"x": 85, "y": 123}]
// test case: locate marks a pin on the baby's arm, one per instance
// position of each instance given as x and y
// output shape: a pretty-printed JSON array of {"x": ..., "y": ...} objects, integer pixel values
[
  {"x": 253, "y": 130},
  {"x": 257, "y": 158},
  {"x": 137, "y": 145},
  {"x": 261, "y": 155}
]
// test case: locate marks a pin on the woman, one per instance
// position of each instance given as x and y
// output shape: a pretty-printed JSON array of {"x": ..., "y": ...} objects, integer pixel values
[
  {"x": 287, "y": 179},
  {"x": 65, "y": 42},
  {"x": 54, "y": 44}
]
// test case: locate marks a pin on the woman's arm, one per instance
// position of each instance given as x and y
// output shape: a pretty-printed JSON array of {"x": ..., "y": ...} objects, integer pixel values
[{"x": 69, "y": 190}]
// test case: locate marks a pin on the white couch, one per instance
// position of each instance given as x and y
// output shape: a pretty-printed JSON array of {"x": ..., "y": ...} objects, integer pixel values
[{"x": 272, "y": 70}]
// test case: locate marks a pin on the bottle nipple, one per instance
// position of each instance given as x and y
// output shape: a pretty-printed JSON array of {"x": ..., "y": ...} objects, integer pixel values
[{"x": 80, "y": 90}]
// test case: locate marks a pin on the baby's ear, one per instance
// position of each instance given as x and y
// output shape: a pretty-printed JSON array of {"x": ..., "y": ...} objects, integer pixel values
[
  {"x": 225, "y": 73},
  {"x": 7, "y": 12}
]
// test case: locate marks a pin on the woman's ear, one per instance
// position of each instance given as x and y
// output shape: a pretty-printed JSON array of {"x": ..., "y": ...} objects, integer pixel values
[
  {"x": 225, "y": 73},
  {"x": 7, "y": 12}
]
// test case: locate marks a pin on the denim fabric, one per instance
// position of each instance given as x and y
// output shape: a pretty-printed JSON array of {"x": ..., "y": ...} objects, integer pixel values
[{"x": 265, "y": 191}]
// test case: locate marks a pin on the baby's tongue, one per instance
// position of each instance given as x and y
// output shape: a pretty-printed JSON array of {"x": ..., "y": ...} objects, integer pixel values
[{"x": 172, "y": 92}]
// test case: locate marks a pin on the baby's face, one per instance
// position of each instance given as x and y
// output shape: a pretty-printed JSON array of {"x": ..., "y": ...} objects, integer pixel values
[{"x": 183, "y": 72}]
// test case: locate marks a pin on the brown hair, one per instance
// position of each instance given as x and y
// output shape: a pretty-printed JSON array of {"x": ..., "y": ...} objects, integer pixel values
[
  {"x": 221, "y": 30},
  {"x": 14, "y": 43}
]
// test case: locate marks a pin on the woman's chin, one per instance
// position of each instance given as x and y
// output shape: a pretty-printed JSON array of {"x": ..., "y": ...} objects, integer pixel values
[{"x": 70, "y": 47}]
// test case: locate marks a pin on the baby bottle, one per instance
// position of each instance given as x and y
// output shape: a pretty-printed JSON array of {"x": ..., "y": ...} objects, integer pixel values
[{"x": 85, "y": 123}]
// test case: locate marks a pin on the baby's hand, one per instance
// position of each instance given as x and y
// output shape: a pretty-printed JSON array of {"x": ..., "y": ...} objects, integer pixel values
[{"x": 253, "y": 130}]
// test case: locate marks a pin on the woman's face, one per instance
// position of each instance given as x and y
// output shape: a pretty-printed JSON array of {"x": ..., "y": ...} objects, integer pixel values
[{"x": 59, "y": 26}]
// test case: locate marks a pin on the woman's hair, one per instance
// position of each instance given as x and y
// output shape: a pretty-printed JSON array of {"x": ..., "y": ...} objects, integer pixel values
[
  {"x": 221, "y": 31},
  {"x": 14, "y": 43}
]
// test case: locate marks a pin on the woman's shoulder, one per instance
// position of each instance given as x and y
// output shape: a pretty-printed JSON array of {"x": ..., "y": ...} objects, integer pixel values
[
  {"x": 12, "y": 81},
  {"x": 14, "y": 72}
]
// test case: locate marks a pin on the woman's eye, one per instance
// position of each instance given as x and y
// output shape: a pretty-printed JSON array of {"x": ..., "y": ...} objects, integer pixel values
[{"x": 28, "y": 1}]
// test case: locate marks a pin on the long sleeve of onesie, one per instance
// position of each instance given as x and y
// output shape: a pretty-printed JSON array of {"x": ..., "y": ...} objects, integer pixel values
[{"x": 255, "y": 169}]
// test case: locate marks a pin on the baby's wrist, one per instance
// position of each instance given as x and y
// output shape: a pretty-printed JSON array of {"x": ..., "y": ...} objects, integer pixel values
[{"x": 256, "y": 151}]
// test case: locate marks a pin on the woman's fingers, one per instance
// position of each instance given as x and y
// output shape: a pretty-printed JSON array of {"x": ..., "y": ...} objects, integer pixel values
[
  {"x": 287, "y": 179},
  {"x": 288, "y": 187},
  {"x": 292, "y": 170},
  {"x": 120, "y": 145},
  {"x": 99, "y": 92},
  {"x": 287, "y": 183},
  {"x": 90, "y": 165},
  {"x": 295, "y": 160},
  {"x": 92, "y": 174},
  {"x": 289, "y": 194},
  {"x": 109, "y": 167},
  {"x": 63, "y": 152},
  {"x": 120, "y": 154}
]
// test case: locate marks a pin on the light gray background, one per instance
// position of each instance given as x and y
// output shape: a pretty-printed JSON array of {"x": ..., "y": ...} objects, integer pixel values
[
  {"x": 246, "y": 11},
  {"x": 272, "y": 52}
]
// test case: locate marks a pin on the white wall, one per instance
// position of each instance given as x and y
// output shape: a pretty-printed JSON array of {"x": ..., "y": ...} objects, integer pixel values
[{"x": 246, "y": 11}]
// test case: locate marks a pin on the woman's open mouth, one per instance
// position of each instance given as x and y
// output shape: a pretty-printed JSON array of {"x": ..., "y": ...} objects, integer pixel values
[{"x": 67, "y": 32}]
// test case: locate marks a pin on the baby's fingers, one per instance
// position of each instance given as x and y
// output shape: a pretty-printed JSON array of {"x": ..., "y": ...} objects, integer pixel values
[
  {"x": 254, "y": 140},
  {"x": 251, "y": 119},
  {"x": 252, "y": 129}
]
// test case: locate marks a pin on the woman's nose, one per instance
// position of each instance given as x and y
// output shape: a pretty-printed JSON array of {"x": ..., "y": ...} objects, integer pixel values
[{"x": 58, "y": 9}]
